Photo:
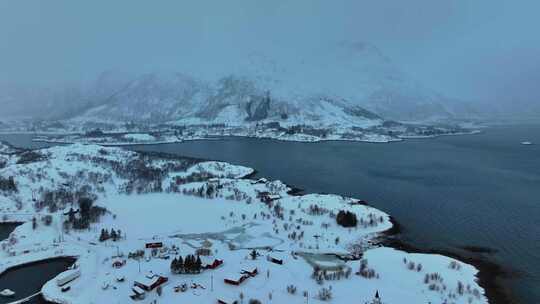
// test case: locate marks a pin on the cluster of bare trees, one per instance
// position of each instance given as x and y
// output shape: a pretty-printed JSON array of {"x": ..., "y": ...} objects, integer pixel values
[
  {"x": 30, "y": 157},
  {"x": 434, "y": 281},
  {"x": 8, "y": 184},
  {"x": 325, "y": 294},
  {"x": 315, "y": 209},
  {"x": 366, "y": 272},
  {"x": 346, "y": 219},
  {"x": 88, "y": 213},
  {"x": 114, "y": 235},
  {"x": 411, "y": 265}
]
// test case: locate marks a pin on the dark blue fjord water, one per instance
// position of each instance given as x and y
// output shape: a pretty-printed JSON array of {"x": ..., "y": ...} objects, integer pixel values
[
  {"x": 6, "y": 229},
  {"x": 472, "y": 190},
  {"x": 24, "y": 279},
  {"x": 28, "y": 279}
]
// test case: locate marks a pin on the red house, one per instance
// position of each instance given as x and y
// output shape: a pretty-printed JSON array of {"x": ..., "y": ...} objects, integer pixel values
[
  {"x": 224, "y": 301},
  {"x": 274, "y": 260},
  {"x": 244, "y": 275},
  {"x": 153, "y": 245},
  {"x": 215, "y": 264},
  {"x": 236, "y": 280},
  {"x": 251, "y": 272},
  {"x": 148, "y": 283}
]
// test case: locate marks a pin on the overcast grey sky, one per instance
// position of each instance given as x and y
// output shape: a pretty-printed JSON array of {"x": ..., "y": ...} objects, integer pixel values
[{"x": 471, "y": 49}]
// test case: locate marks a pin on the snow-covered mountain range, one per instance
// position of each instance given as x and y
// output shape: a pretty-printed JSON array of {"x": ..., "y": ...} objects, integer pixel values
[{"x": 349, "y": 84}]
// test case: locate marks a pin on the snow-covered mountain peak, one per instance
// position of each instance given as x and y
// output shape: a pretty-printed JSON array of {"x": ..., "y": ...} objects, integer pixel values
[{"x": 277, "y": 85}]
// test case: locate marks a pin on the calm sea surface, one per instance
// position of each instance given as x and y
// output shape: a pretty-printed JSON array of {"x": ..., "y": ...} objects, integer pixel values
[{"x": 472, "y": 190}]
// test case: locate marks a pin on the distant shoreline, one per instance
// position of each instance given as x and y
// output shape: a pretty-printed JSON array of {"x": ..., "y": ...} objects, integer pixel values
[{"x": 223, "y": 137}]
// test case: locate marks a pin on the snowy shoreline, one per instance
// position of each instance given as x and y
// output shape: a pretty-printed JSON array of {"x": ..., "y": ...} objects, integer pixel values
[
  {"x": 114, "y": 144},
  {"x": 473, "y": 132},
  {"x": 238, "y": 195},
  {"x": 284, "y": 139},
  {"x": 213, "y": 137}
]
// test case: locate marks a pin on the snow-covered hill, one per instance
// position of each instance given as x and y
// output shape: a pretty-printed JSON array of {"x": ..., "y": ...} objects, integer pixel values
[
  {"x": 345, "y": 84},
  {"x": 232, "y": 100}
]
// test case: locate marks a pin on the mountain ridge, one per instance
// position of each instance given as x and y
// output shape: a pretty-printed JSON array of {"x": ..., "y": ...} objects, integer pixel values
[{"x": 351, "y": 83}]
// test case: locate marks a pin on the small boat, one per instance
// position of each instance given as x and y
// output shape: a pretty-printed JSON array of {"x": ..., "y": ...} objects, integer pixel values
[
  {"x": 527, "y": 143},
  {"x": 7, "y": 293}
]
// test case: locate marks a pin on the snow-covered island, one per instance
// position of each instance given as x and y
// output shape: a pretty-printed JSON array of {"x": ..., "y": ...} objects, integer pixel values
[
  {"x": 99, "y": 137},
  {"x": 378, "y": 132},
  {"x": 149, "y": 227}
]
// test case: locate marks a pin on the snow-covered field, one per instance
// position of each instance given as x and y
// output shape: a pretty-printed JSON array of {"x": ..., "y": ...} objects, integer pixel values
[{"x": 187, "y": 206}]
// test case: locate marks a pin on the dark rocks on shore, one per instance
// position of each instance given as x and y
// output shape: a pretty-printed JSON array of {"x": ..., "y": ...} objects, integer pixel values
[{"x": 489, "y": 273}]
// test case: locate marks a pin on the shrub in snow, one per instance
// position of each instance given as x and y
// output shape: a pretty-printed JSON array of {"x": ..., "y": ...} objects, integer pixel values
[
  {"x": 317, "y": 210},
  {"x": 291, "y": 289},
  {"x": 434, "y": 281},
  {"x": 365, "y": 271},
  {"x": 253, "y": 254},
  {"x": 30, "y": 157},
  {"x": 346, "y": 219},
  {"x": 104, "y": 235},
  {"x": 325, "y": 294},
  {"x": 460, "y": 288},
  {"x": 8, "y": 184},
  {"x": 113, "y": 235},
  {"x": 454, "y": 265},
  {"x": 47, "y": 220}
]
